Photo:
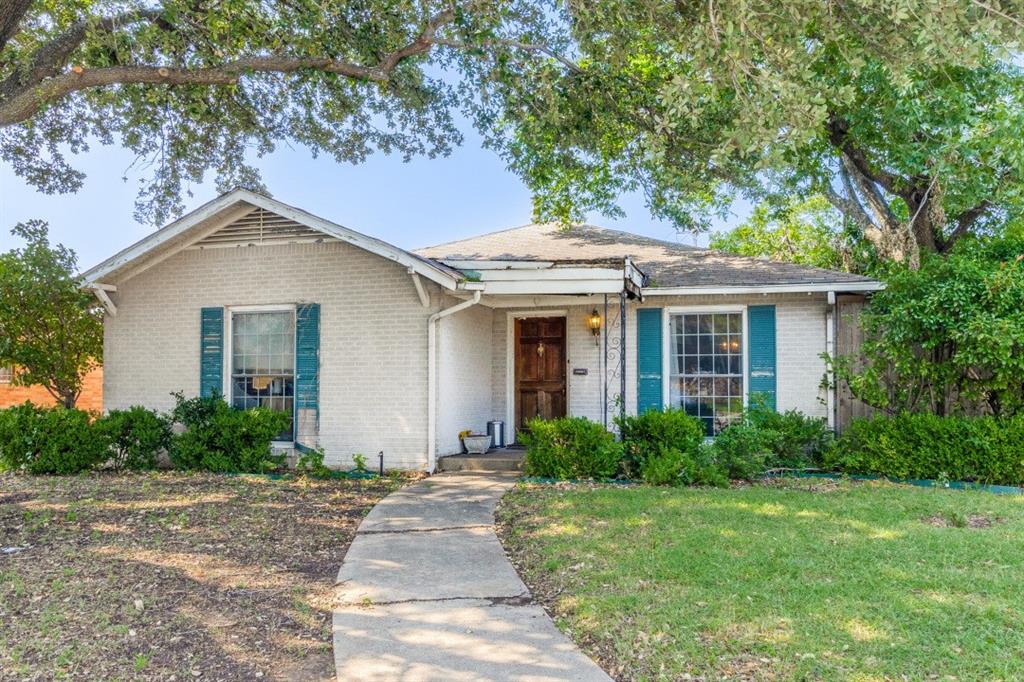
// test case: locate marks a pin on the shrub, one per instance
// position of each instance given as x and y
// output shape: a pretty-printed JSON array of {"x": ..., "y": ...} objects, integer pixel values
[
  {"x": 663, "y": 467},
  {"x": 766, "y": 439},
  {"x": 947, "y": 338},
  {"x": 740, "y": 451},
  {"x": 50, "y": 440},
  {"x": 672, "y": 466},
  {"x": 925, "y": 446},
  {"x": 136, "y": 437},
  {"x": 653, "y": 433},
  {"x": 791, "y": 439},
  {"x": 571, "y": 447},
  {"x": 221, "y": 438}
]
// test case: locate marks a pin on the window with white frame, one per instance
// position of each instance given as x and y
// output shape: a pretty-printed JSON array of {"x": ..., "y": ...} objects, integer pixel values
[
  {"x": 6, "y": 374},
  {"x": 706, "y": 367},
  {"x": 263, "y": 362}
]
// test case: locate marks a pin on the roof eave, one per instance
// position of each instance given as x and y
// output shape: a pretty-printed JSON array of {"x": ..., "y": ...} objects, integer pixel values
[
  {"x": 809, "y": 287},
  {"x": 435, "y": 272}
]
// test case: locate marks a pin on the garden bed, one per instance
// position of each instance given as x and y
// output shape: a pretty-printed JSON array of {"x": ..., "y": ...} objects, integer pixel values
[
  {"x": 156, "y": 575},
  {"x": 788, "y": 579}
]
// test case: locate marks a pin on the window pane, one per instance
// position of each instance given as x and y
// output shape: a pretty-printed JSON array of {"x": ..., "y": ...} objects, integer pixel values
[
  {"x": 263, "y": 362},
  {"x": 706, "y": 367}
]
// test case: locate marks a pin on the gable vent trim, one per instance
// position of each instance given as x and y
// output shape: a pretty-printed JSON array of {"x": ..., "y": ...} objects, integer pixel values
[{"x": 261, "y": 227}]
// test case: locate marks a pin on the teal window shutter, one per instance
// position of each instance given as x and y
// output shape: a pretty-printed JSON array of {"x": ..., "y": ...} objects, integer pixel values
[
  {"x": 307, "y": 357},
  {"x": 761, "y": 365},
  {"x": 648, "y": 360},
  {"x": 211, "y": 352}
]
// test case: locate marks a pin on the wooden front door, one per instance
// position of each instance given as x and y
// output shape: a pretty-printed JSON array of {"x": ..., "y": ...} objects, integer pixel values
[{"x": 540, "y": 368}]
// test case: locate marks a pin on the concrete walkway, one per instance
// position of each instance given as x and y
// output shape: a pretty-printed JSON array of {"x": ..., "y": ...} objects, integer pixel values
[{"x": 426, "y": 593}]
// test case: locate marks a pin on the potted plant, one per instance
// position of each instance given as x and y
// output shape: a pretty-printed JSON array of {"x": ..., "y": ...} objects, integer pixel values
[{"x": 475, "y": 443}]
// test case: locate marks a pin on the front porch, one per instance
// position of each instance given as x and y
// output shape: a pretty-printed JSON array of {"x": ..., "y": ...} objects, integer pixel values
[
  {"x": 513, "y": 358},
  {"x": 510, "y": 458}
]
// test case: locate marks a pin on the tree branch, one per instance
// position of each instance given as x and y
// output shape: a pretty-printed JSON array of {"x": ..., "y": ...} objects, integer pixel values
[
  {"x": 849, "y": 207},
  {"x": 28, "y": 99},
  {"x": 883, "y": 214},
  {"x": 11, "y": 14},
  {"x": 515, "y": 44},
  {"x": 839, "y": 136},
  {"x": 51, "y": 57},
  {"x": 965, "y": 222}
]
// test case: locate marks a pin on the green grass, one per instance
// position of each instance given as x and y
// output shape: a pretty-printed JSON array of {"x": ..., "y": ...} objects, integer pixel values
[{"x": 790, "y": 581}]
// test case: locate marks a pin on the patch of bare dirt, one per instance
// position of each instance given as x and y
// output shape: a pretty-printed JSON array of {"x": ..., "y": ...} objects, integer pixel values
[
  {"x": 976, "y": 521},
  {"x": 809, "y": 484},
  {"x": 173, "y": 576}
]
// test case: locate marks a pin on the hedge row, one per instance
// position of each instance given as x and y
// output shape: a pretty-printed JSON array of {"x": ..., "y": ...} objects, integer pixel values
[
  {"x": 669, "y": 448},
  {"x": 924, "y": 446},
  {"x": 215, "y": 437}
]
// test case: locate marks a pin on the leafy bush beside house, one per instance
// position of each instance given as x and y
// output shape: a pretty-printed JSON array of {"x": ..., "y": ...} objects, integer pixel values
[
  {"x": 925, "y": 446},
  {"x": 947, "y": 339},
  {"x": 664, "y": 448},
  {"x": 221, "y": 438},
  {"x": 136, "y": 437},
  {"x": 766, "y": 439},
  {"x": 571, "y": 447},
  {"x": 50, "y": 440}
]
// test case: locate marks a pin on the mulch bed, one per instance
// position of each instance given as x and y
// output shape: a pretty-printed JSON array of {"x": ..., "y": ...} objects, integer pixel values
[{"x": 173, "y": 576}]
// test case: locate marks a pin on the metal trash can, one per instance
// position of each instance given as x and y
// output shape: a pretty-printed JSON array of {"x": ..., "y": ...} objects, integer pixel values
[{"x": 496, "y": 430}]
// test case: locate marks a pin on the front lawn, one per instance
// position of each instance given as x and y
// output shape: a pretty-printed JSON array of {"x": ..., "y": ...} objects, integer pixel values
[
  {"x": 172, "y": 576},
  {"x": 789, "y": 580}
]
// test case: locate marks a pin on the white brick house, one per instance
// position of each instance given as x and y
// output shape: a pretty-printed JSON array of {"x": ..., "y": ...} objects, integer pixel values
[{"x": 373, "y": 348}]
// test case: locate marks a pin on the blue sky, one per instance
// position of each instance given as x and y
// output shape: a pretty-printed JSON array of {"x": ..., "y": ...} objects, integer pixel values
[{"x": 423, "y": 202}]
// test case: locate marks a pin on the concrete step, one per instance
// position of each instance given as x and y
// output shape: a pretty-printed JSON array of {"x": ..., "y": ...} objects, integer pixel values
[{"x": 496, "y": 460}]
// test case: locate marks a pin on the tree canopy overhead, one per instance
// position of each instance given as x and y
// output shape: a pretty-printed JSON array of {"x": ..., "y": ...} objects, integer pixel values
[
  {"x": 193, "y": 86},
  {"x": 905, "y": 114}
]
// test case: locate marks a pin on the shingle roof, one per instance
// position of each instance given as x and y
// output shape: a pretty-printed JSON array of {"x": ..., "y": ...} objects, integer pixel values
[{"x": 665, "y": 263}]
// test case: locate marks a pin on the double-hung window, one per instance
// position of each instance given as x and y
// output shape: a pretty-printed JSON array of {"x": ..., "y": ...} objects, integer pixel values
[
  {"x": 706, "y": 366},
  {"x": 263, "y": 362},
  {"x": 6, "y": 374}
]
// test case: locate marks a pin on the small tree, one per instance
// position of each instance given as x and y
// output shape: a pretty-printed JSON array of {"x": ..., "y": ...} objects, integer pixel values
[
  {"x": 50, "y": 328},
  {"x": 948, "y": 338}
]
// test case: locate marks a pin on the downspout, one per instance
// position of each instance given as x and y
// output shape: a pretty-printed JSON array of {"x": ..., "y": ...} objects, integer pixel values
[
  {"x": 831, "y": 322},
  {"x": 432, "y": 375}
]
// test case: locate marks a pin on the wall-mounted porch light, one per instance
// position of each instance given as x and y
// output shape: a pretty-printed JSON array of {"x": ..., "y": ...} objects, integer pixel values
[{"x": 594, "y": 325}]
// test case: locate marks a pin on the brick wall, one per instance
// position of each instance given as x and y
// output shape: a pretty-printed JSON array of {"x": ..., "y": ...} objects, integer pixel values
[
  {"x": 373, "y": 345},
  {"x": 90, "y": 399}
]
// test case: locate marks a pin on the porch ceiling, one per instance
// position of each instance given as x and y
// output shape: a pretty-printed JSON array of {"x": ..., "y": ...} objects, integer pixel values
[{"x": 569, "y": 278}]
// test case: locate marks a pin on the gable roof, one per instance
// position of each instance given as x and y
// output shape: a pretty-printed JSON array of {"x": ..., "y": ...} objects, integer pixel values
[
  {"x": 668, "y": 265},
  {"x": 235, "y": 212}
]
